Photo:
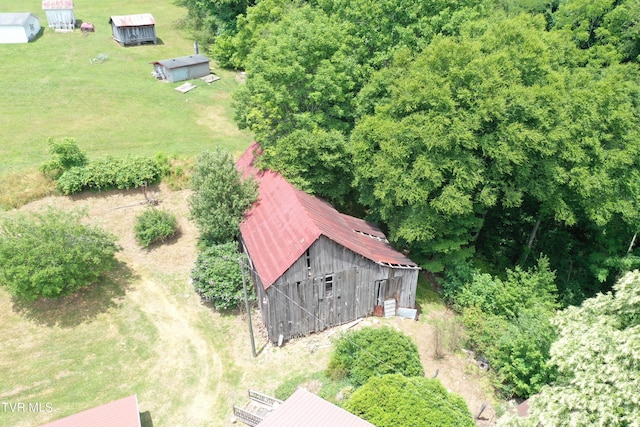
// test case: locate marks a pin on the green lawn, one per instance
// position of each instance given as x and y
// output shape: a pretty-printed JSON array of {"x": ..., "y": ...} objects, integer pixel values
[{"x": 51, "y": 89}]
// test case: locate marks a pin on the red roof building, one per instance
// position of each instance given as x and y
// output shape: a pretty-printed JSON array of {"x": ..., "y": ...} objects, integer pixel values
[
  {"x": 133, "y": 29},
  {"x": 313, "y": 266},
  {"x": 306, "y": 409},
  {"x": 122, "y": 413}
]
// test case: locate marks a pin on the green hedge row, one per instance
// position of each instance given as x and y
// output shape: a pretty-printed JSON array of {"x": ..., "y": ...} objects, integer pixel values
[{"x": 110, "y": 173}]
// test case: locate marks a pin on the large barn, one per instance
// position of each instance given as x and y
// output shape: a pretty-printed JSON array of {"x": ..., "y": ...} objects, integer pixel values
[
  {"x": 60, "y": 15},
  {"x": 18, "y": 27},
  {"x": 314, "y": 267},
  {"x": 182, "y": 68},
  {"x": 134, "y": 29}
]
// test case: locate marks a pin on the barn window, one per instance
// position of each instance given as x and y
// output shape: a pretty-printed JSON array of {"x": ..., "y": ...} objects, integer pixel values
[
  {"x": 307, "y": 255},
  {"x": 328, "y": 286}
]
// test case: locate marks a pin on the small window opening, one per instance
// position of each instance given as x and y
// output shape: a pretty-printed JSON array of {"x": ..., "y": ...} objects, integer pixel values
[{"x": 328, "y": 286}]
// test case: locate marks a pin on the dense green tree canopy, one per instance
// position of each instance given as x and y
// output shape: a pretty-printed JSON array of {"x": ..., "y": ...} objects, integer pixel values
[{"x": 502, "y": 117}]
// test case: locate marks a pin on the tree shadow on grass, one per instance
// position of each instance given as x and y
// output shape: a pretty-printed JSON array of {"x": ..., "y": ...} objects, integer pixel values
[{"x": 82, "y": 306}]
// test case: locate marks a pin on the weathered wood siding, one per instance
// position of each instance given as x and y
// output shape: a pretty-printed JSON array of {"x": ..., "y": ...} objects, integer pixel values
[
  {"x": 61, "y": 19},
  {"x": 300, "y": 303},
  {"x": 134, "y": 35}
]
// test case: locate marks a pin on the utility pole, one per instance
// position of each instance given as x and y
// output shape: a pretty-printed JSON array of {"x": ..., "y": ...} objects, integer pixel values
[{"x": 246, "y": 303}]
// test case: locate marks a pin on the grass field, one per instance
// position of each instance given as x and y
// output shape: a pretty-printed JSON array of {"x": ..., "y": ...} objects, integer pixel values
[{"x": 51, "y": 89}]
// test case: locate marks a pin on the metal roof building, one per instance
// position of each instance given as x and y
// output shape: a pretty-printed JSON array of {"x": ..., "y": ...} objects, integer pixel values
[
  {"x": 304, "y": 408},
  {"x": 134, "y": 29},
  {"x": 182, "y": 68},
  {"x": 313, "y": 266}
]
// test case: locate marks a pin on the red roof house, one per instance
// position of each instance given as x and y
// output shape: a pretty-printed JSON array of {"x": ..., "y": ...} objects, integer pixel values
[
  {"x": 306, "y": 409},
  {"x": 313, "y": 266},
  {"x": 122, "y": 413}
]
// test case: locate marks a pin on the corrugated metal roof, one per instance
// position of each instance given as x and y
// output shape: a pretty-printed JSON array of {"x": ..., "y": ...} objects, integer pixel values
[
  {"x": 133, "y": 20},
  {"x": 306, "y": 409},
  {"x": 285, "y": 222},
  {"x": 122, "y": 413},
  {"x": 57, "y": 4},
  {"x": 19, "y": 18},
  {"x": 183, "y": 61}
]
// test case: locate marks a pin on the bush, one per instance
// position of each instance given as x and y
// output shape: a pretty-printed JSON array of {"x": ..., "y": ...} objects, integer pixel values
[
  {"x": 217, "y": 276},
  {"x": 67, "y": 155},
  {"x": 369, "y": 352},
  {"x": 52, "y": 254},
  {"x": 155, "y": 225},
  {"x": 395, "y": 400},
  {"x": 110, "y": 173}
]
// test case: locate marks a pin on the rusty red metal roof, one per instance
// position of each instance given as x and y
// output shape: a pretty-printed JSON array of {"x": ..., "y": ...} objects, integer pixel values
[
  {"x": 285, "y": 222},
  {"x": 57, "y": 4},
  {"x": 122, "y": 413},
  {"x": 138, "y": 20},
  {"x": 304, "y": 408}
]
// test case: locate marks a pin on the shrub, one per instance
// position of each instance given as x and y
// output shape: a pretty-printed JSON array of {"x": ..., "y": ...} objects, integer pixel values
[
  {"x": 52, "y": 254},
  {"x": 67, "y": 155},
  {"x": 155, "y": 225},
  {"x": 217, "y": 276},
  {"x": 395, "y": 400},
  {"x": 110, "y": 173},
  {"x": 369, "y": 352},
  {"x": 220, "y": 197}
]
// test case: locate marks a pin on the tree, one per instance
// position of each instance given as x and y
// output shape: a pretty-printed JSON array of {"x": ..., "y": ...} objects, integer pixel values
[
  {"x": 369, "y": 352},
  {"x": 508, "y": 323},
  {"x": 314, "y": 161},
  {"x": 217, "y": 276},
  {"x": 597, "y": 356},
  {"x": 52, "y": 254},
  {"x": 396, "y": 401},
  {"x": 298, "y": 78},
  {"x": 220, "y": 196}
]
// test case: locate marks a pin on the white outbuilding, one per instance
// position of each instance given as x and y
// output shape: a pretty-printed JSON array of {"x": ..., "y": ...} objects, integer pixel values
[
  {"x": 21, "y": 27},
  {"x": 59, "y": 14}
]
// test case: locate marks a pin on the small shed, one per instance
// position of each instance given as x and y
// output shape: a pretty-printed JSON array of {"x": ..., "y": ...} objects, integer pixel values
[
  {"x": 59, "y": 14},
  {"x": 134, "y": 29},
  {"x": 18, "y": 27},
  {"x": 182, "y": 68}
]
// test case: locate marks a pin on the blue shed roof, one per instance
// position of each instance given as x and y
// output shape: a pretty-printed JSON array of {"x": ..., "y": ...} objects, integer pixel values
[{"x": 183, "y": 61}]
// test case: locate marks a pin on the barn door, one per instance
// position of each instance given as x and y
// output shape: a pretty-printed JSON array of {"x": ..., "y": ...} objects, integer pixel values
[{"x": 380, "y": 290}]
